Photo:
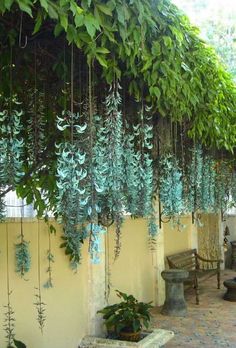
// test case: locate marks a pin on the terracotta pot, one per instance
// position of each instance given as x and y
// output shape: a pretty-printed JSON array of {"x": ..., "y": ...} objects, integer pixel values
[{"x": 130, "y": 336}]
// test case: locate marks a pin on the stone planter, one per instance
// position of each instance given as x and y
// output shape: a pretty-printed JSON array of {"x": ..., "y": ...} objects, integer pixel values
[{"x": 151, "y": 339}]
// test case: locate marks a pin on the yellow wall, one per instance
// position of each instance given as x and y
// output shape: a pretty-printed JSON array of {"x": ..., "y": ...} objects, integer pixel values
[
  {"x": 133, "y": 272},
  {"x": 177, "y": 240},
  {"x": 68, "y": 303},
  {"x": 66, "y": 308}
]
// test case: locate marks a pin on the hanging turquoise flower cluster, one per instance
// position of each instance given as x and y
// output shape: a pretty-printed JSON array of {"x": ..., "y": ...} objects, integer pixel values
[
  {"x": 170, "y": 186},
  {"x": 23, "y": 259},
  {"x": 208, "y": 198},
  {"x": 233, "y": 189},
  {"x": 71, "y": 173},
  {"x": 223, "y": 185},
  {"x": 100, "y": 170},
  {"x": 11, "y": 147},
  {"x": 11, "y": 144},
  {"x": 208, "y": 185},
  {"x": 194, "y": 180},
  {"x": 201, "y": 182},
  {"x": 139, "y": 171},
  {"x": 114, "y": 150},
  {"x": 36, "y": 126}
]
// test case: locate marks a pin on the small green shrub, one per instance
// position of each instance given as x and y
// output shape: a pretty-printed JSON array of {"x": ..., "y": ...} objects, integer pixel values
[{"x": 126, "y": 316}]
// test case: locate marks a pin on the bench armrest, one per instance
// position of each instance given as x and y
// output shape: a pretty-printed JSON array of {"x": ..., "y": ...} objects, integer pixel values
[{"x": 206, "y": 260}]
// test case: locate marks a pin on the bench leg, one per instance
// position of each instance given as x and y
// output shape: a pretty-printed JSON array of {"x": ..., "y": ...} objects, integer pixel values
[
  {"x": 196, "y": 290},
  {"x": 218, "y": 278}
]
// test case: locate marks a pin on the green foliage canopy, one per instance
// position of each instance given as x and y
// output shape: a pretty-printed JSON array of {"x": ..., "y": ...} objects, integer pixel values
[{"x": 154, "y": 46}]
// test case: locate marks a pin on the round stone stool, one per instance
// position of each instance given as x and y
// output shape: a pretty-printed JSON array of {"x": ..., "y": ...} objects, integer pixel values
[
  {"x": 230, "y": 295},
  {"x": 175, "y": 304}
]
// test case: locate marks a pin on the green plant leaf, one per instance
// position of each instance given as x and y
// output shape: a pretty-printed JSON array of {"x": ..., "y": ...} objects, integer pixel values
[
  {"x": 44, "y": 4},
  {"x": 91, "y": 24},
  {"x": 19, "y": 344},
  {"x": 38, "y": 23},
  {"x": 105, "y": 9},
  {"x": 25, "y": 6},
  {"x": 101, "y": 60},
  {"x": 8, "y": 4}
]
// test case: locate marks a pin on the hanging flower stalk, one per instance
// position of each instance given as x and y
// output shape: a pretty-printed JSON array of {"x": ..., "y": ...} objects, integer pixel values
[
  {"x": 23, "y": 259},
  {"x": 95, "y": 181},
  {"x": 50, "y": 259},
  {"x": 195, "y": 179},
  {"x": 115, "y": 159},
  {"x": 171, "y": 186},
  {"x": 9, "y": 323},
  {"x": 207, "y": 202},
  {"x": 233, "y": 189},
  {"x": 71, "y": 174},
  {"x": 11, "y": 144},
  {"x": 132, "y": 158},
  {"x": 223, "y": 185},
  {"x": 147, "y": 192},
  {"x": 41, "y": 309},
  {"x": 22, "y": 254},
  {"x": 2, "y": 209},
  {"x": 36, "y": 126},
  {"x": 9, "y": 317},
  {"x": 39, "y": 304}
]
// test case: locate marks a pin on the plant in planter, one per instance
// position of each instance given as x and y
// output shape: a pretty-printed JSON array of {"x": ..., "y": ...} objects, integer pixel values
[{"x": 125, "y": 320}]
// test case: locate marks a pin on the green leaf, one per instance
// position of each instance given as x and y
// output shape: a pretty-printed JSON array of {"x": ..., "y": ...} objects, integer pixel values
[
  {"x": 64, "y": 21},
  {"x": 38, "y": 22},
  {"x": 44, "y": 4},
  {"x": 19, "y": 344},
  {"x": 105, "y": 9},
  {"x": 52, "y": 12},
  {"x": 91, "y": 24},
  {"x": 71, "y": 33},
  {"x": 155, "y": 91},
  {"x": 167, "y": 41},
  {"x": 8, "y": 4},
  {"x": 102, "y": 60},
  {"x": 79, "y": 20},
  {"x": 120, "y": 14},
  {"x": 25, "y": 7},
  {"x": 75, "y": 9},
  {"x": 102, "y": 50},
  {"x": 58, "y": 29}
]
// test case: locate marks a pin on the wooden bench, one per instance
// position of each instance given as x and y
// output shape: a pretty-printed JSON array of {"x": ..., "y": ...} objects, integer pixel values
[{"x": 199, "y": 268}]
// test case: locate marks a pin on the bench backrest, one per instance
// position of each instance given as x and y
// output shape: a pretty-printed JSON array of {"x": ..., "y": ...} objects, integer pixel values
[{"x": 185, "y": 260}]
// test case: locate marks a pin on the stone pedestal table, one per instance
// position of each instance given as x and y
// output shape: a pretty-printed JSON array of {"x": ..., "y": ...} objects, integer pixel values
[{"x": 175, "y": 304}]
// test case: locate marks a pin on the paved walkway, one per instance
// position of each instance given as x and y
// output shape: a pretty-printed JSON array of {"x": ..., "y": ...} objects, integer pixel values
[{"x": 211, "y": 324}]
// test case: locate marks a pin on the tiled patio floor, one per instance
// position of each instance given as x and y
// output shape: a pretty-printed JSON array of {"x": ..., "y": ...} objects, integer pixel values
[{"x": 210, "y": 324}]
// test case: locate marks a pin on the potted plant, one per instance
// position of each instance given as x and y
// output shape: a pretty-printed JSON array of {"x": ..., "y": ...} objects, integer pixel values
[{"x": 125, "y": 320}]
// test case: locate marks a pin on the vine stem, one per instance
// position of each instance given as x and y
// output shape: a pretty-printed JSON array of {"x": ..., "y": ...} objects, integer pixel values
[
  {"x": 91, "y": 146},
  {"x": 41, "y": 317},
  {"x": 49, "y": 257},
  {"x": 107, "y": 267},
  {"x": 72, "y": 94},
  {"x": 21, "y": 233},
  {"x": 8, "y": 280},
  {"x": 10, "y": 75},
  {"x": 39, "y": 268},
  {"x": 10, "y": 333}
]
